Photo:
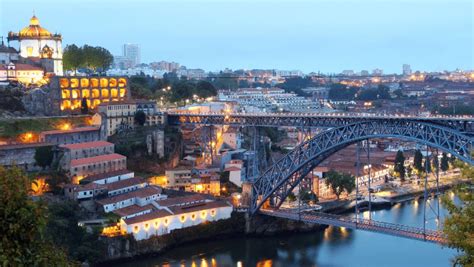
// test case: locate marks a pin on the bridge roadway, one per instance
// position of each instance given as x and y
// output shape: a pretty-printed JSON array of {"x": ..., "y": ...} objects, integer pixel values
[
  {"x": 361, "y": 224},
  {"x": 317, "y": 120}
]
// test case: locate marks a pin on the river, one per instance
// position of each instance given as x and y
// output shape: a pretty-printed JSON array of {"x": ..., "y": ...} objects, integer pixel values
[{"x": 332, "y": 247}]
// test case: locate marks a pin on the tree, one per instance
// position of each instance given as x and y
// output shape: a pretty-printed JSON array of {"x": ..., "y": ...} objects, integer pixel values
[
  {"x": 399, "y": 167},
  {"x": 340, "y": 182},
  {"x": 205, "y": 89},
  {"x": 339, "y": 91},
  {"x": 418, "y": 161},
  {"x": 458, "y": 225},
  {"x": 44, "y": 156},
  {"x": 427, "y": 164},
  {"x": 73, "y": 58},
  {"x": 23, "y": 222},
  {"x": 444, "y": 162},
  {"x": 84, "y": 106},
  {"x": 291, "y": 197},
  {"x": 93, "y": 58},
  {"x": 307, "y": 196},
  {"x": 140, "y": 118}
]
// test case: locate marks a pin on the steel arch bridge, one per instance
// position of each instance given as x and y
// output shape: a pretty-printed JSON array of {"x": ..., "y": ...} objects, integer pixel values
[
  {"x": 280, "y": 179},
  {"x": 453, "y": 135}
]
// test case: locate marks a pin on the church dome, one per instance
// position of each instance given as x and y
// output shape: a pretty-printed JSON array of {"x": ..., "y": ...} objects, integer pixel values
[{"x": 34, "y": 30}]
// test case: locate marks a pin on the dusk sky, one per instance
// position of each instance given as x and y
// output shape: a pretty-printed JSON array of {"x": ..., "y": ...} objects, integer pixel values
[{"x": 326, "y": 36}]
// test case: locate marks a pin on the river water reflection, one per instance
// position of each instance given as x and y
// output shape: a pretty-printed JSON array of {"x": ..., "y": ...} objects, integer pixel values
[{"x": 330, "y": 248}]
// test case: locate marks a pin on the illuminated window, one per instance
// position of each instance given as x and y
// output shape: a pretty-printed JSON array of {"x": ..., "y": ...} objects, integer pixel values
[
  {"x": 147, "y": 226},
  {"x": 104, "y": 82},
  {"x": 84, "y": 82},
  {"x": 213, "y": 213},
  {"x": 66, "y": 104},
  {"x": 157, "y": 223},
  {"x": 75, "y": 94},
  {"x": 182, "y": 218},
  {"x": 85, "y": 93},
  {"x": 74, "y": 83},
  {"x": 95, "y": 82},
  {"x": 105, "y": 93},
  {"x": 135, "y": 229},
  {"x": 95, "y": 103},
  {"x": 166, "y": 221},
  {"x": 113, "y": 82},
  {"x": 203, "y": 214},
  {"x": 64, "y": 83},
  {"x": 122, "y": 82},
  {"x": 123, "y": 92},
  {"x": 95, "y": 93},
  {"x": 113, "y": 92},
  {"x": 193, "y": 217},
  {"x": 29, "y": 51},
  {"x": 65, "y": 94}
]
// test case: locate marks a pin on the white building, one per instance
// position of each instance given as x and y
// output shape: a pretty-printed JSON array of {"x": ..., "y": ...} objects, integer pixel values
[
  {"x": 172, "y": 214},
  {"x": 37, "y": 42},
  {"x": 132, "y": 52}
]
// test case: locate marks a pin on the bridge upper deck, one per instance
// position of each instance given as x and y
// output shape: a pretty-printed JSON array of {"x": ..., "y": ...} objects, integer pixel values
[{"x": 323, "y": 120}]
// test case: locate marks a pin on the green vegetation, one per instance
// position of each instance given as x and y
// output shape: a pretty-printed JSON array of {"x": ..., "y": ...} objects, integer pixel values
[
  {"x": 308, "y": 196},
  {"x": 92, "y": 58},
  {"x": 295, "y": 84},
  {"x": 339, "y": 91},
  {"x": 170, "y": 88},
  {"x": 381, "y": 92},
  {"x": 23, "y": 241},
  {"x": 418, "y": 161},
  {"x": 444, "y": 162},
  {"x": 340, "y": 182},
  {"x": 12, "y": 128},
  {"x": 44, "y": 156},
  {"x": 140, "y": 118},
  {"x": 458, "y": 226},
  {"x": 399, "y": 167},
  {"x": 10, "y": 99},
  {"x": 62, "y": 229}
]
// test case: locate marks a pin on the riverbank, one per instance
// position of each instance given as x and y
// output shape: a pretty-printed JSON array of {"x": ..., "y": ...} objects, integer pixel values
[{"x": 125, "y": 248}]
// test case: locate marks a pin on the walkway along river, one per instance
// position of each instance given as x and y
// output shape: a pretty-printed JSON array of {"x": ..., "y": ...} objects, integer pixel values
[{"x": 332, "y": 247}]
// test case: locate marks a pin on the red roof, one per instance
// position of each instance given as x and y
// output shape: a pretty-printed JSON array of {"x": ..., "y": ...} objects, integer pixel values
[
  {"x": 124, "y": 183},
  {"x": 75, "y": 130},
  {"x": 95, "y": 177},
  {"x": 181, "y": 200},
  {"x": 147, "y": 217},
  {"x": 199, "y": 206},
  {"x": 140, "y": 193},
  {"x": 93, "y": 144},
  {"x": 133, "y": 209},
  {"x": 24, "y": 146},
  {"x": 97, "y": 159}
]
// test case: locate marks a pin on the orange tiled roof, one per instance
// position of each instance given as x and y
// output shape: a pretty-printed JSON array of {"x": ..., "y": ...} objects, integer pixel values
[
  {"x": 140, "y": 193},
  {"x": 96, "y": 159},
  {"x": 84, "y": 145}
]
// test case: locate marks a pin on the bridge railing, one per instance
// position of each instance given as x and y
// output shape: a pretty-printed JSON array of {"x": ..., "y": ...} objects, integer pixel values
[{"x": 332, "y": 218}]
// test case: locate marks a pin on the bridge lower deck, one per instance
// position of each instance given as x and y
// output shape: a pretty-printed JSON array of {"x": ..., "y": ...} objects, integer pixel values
[{"x": 362, "y": 224}]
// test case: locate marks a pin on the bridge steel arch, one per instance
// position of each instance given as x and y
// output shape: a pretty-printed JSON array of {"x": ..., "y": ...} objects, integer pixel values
[{"x": 280, "y": 179}]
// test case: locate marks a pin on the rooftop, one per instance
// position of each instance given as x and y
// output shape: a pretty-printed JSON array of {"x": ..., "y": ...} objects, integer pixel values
[
  {"x": 96, "y": 177},
  {"x": 85, "y": 145},
  {"x": 147, "y": 217},
  {"x": 75, "y": 130},
  {"x": 182, "y": 200},
  {"x": 199, "y": 206},
  {"x": 124, "y": 183},
  {"x": 139, "y": 193},
  {"x": 133, "y": 209},
  {"x": 24, "y": 146},
  {"x": 96, "y": 159}
]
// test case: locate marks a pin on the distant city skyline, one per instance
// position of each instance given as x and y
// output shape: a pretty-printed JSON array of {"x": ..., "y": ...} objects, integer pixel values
[{"x": 326, "y": 36}]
